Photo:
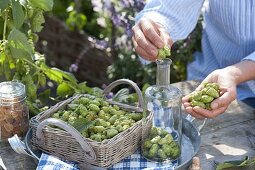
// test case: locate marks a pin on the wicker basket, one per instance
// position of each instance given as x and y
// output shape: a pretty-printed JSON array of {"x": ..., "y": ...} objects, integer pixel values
[{"x": 70, "y": 145}]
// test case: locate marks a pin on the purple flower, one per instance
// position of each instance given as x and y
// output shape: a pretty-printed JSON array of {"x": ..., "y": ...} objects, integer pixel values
[
  {"x": 139, "y": 4},
  {"x": 101, "y": 44},
  {"x": 73, "y": 68},
  {"x": 116, "y": 20},
  {"x": 125, "y": 3},
  {"x": 109, "y": 95}
]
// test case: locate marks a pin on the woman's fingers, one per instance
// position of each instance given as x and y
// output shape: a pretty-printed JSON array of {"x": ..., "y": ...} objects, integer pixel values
[
  {"x": 149, "y": 37},
  {"x": 142, "y": 52},
  {"x": 166, "y": 37},
  {"x": 144, "y": 43},
  {"x": 224, "y": 100},
  {"x": 209, "y": 113},
  {"x": 191, "y": 111},
  {"x": 151, "y": 32}
]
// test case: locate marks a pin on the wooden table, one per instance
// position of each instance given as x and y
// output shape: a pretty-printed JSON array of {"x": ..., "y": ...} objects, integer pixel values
[{"x": 230, "y": 136}]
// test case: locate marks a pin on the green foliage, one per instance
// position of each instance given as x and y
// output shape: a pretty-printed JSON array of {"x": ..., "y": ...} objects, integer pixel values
[
  {"x": 76, "y": 20},
  {"x": 18, "y": 59},
  {"x": 45, "y": 5}
]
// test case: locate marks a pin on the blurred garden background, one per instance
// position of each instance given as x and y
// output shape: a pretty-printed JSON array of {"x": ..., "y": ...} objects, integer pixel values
[
  {"x": 78, "y": 44},
  {"x": 92, "y": 39}
]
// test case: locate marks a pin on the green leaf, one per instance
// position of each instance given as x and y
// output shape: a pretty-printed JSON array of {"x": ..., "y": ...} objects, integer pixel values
[
  {"x": 122, "y": 93},
  {"x": 65, "y": 74},
  {"x": 81, "y": 124},
  {"x": 2, "y": 57},
  {"x": 52, "y": 74},
  {"x": 30, "y": 87},
  {"x": 7, "y": 70},
  {"x": 45, "y": 5},
  {"x": 17, "y": 14},
  {"x": 64, "y": 90},
  {"x": 83, "y": 88},
  {"x": 37, "y": 21},
  {"x": 42, "y": 80},
  {"x": 33, "y": 108},
  {"x": 19, "y": 44},
  {"x": 246, "y": 163},
  {"x": 44, "y": 96},
  {"x": 4, "y": 4}
]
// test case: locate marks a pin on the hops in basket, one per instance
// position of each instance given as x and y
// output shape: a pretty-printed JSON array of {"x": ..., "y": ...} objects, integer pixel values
[
  {"x": 205, "y": 97},
  {"x": 103, "y": 120}
]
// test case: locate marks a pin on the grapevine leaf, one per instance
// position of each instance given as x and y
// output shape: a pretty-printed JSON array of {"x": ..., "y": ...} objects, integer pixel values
[
  {"x": 18, "y": 53},
  {"x": 45, "y": 5},
  {"x": 66, "y": 75},
  {"x": 19, "y": 44},
  {"x": 83, "y": 88},
  {"x": 37, "y": 21},
  {"x": 52, "y": 74},
  {"x": 17, "y": 14},
  {"x": 4, "y": 4},
  {"x": 64, "y": 90},
  {"x": 82, "y": 124}
]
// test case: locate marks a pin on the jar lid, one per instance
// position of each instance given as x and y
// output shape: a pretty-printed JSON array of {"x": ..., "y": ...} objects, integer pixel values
[{"x": 12, "y": 89}]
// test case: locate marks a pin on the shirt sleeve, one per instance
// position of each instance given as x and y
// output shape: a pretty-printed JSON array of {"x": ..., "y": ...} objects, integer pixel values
[
  {"x": 179, "y": 17},
  {"x": 250, "y": 57}
]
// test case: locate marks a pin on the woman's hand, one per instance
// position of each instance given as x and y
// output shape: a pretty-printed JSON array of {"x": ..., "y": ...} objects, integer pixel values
[
  {"x": 227, "y": 82},
  {"x": 148, "y": 37}
]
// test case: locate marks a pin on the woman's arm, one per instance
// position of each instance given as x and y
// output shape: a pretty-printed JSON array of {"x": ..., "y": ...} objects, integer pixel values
[
  {"x": 178, "y": 17},
  {"x": 162, "y": 22},
  {"x": 243, "y": 71},
  {"x": 228, "y": 78}
]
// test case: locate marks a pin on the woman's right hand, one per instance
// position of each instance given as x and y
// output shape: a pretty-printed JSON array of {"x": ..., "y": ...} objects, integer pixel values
[{"x": 148, "y": 37}]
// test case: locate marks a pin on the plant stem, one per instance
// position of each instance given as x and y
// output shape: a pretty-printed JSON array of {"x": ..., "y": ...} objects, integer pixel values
[
  {"x": 32, "y": 64},
  {"x": 5, "y": 23}
]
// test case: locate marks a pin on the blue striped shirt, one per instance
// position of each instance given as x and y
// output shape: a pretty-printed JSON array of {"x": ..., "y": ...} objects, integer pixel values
[{"x": 228, "y": 36}]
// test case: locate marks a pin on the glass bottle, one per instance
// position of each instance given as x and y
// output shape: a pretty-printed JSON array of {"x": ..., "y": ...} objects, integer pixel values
[
  {"x": 13, "y": 110},
  {"x": 162, "y": 142}
]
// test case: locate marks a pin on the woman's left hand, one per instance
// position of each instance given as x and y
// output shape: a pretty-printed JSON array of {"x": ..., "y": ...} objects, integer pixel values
[{"x": 227, "y": 83}]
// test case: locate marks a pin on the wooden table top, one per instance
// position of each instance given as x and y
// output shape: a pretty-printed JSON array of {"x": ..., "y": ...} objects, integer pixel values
[{"x": 230, "y": 136}]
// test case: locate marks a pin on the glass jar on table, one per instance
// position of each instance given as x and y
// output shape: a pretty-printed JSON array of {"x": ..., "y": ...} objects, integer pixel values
[
  {"x": 13, "y": 110},
  {"x": 162, "y": 142}
]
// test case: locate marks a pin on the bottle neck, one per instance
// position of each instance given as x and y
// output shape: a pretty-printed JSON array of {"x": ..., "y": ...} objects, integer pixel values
[{"x": 163, "y": 72}]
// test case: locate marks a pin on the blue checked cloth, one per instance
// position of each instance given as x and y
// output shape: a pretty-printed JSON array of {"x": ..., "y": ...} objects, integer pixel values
[
  {"x": 133, "y": 162},
  {"x": 136, "y": 162},
  {"x": 48, "y": 162}
]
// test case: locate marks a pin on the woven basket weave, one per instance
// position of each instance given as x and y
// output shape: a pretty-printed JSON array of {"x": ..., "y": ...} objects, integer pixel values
[{"x": 70, "y": 145}]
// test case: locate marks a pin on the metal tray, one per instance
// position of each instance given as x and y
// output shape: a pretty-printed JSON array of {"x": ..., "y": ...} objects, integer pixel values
[{"x": 191, "y": 141}]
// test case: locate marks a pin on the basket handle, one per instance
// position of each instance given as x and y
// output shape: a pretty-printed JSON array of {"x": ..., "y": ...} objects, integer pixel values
[
  {"x": 132, "y": 84},
  {"x": 90, "y": 155}
]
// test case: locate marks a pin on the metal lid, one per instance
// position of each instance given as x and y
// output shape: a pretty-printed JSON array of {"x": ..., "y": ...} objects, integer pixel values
[{"x": 12, "y": 89}]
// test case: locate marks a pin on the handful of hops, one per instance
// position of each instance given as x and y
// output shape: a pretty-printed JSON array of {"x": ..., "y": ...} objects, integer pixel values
[
  {"x": 160, "y": 146},
  {"x": 205, "y": 97},
  {"x": 164, "y": 52}
]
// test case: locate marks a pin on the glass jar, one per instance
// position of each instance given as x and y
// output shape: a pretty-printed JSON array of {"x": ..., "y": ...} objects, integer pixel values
[
  {"x": 162, "y": 142},
  {"x": 13, "y": 110}
]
